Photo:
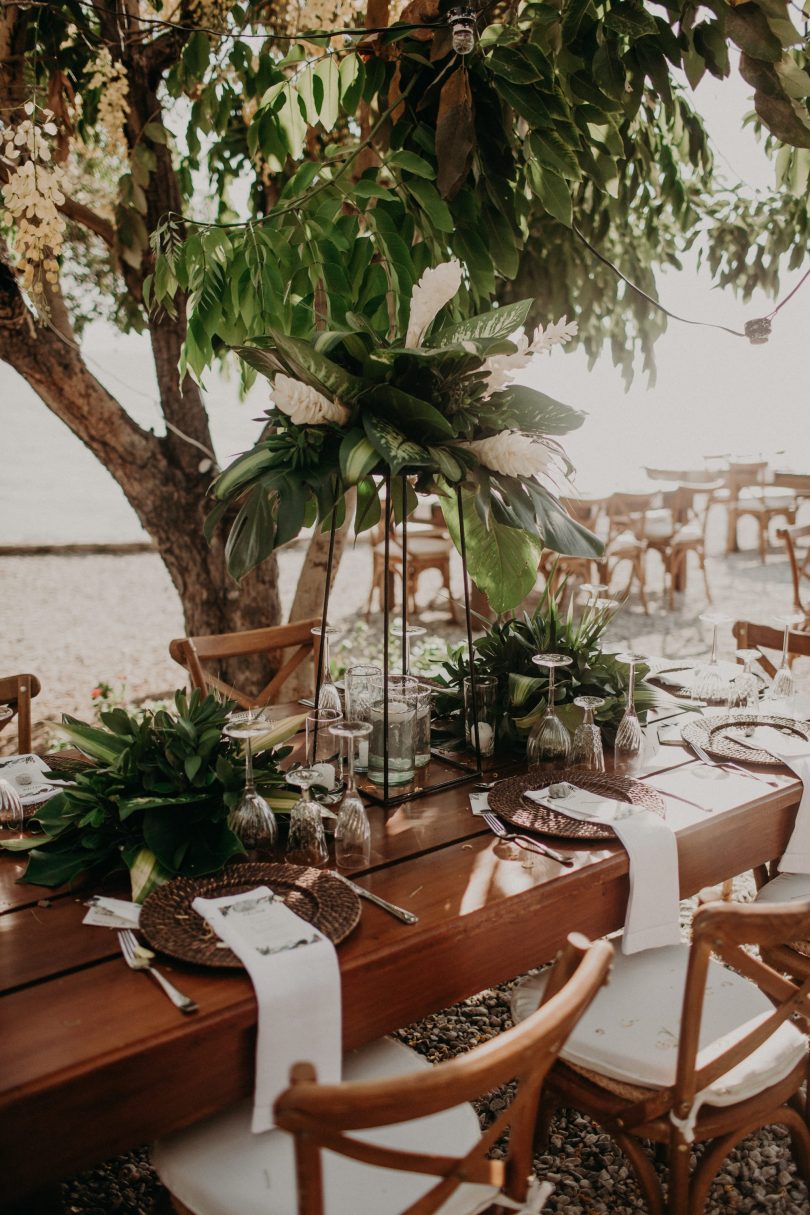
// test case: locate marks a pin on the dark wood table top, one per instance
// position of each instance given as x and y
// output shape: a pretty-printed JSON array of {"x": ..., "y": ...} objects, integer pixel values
[{"x": 94, "y": 1059}]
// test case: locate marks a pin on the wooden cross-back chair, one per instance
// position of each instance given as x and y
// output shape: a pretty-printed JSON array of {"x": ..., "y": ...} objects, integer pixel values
[
  {"x": 693, "y": 1044},
  {"x": 216, "y": 649},
  {"x": 16, "y": 694},
  {"x": 797, "y": 544},
  {"x": 424, "y": 1153},
  {"x": 749, "y": 494},
  {"x": 762, "y": 637}
]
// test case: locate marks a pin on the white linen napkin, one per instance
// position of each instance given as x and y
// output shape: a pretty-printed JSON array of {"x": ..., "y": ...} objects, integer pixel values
[
  {"x": 653, "y": 909},
  {"x": 296, "y": 977},
  {"x": 794, "y": 753},
  {"x": 34, "y": 787}
]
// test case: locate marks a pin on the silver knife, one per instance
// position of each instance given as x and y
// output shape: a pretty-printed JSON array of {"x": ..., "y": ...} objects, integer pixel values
[{"x": 401, "y": 913}]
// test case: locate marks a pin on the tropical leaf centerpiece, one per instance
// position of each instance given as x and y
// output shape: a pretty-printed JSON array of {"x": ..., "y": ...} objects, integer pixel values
[
  {"x": 154, "y": 797},
  {"x": 436, "y": 410},
  {"x": 505, "y": 652}
]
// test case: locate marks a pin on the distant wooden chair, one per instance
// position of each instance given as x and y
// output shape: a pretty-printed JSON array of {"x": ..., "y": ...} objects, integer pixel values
[
  {"x": 16, "y": 694},
  {"x": 683, "y": 1046},
  {"x": 216, "y": 649},
  {"x": 426, "y": 551},
  {"x": 423, "y": 1151},
  {"x": 678, "y": 529},
  {"x": 762, "y": 637},
  {"x": 797, "y": 544},
  {"x": 749, "y": 495},
  {"x": 625, "y": 542}
]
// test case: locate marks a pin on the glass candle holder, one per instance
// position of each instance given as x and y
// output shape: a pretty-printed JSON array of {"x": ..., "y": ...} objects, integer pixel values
[
  {"x": 483, "y": 713},
  {"x": 328, "y": 696},
  {"x": 360, "y": 682},
  {"x": 399, "y": 711}
]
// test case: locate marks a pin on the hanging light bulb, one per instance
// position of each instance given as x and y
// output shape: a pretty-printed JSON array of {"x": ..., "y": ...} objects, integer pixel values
[{"x": 462, "y": 27}]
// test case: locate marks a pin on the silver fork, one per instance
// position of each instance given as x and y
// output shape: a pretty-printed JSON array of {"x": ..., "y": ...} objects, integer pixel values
[
  {"x": 136, "y": 961},
  {"x": 706, "y": 759},
  {"x": 523, "y": 841},
  {"x": 11, "y": 807}
]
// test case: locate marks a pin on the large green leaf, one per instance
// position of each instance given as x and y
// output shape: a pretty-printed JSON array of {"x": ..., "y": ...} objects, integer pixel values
[
  {"x": 253, "y": 534},
  {"x": 98, "y": 744},
  {"x": 533, "y": 410},
  {"x": 409, "y": 412},
  {"x": 243, "y": 469},
  {"x": 560, "y": 532},
  {"x": 396, "y": 449},
  {"x": 357, "y": 457},
  {"x": 502, "y": 561},
  {"x": 486, "y": 327}
]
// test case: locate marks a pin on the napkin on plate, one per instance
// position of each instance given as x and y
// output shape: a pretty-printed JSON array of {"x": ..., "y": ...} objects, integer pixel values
[
  {"x": 296, "y": 977},
  {"x": 653, "y": 909},
  {"x": 794, "y": 753},
  {"x": 682, "y": 675}
]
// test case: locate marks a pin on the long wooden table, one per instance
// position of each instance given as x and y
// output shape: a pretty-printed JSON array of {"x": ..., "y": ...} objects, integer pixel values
[{"x": 95, "y": 1060}]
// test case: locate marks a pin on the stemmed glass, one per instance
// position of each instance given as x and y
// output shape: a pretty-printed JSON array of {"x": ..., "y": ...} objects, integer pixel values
[
  {"x": 328, "y": 696},
  {"x": 627, "y": 750},
  {"x": 586, "y": 749},
  {"x": 549, "y": 741},
  {"x": 411, "y": 631},
  {"x": 251, "y": 819},
  {"x": 783, "y": 686},
  {"x": 306, "y": 839},
  {"x": 709, "y": 684},
  {"x": 745, "y": 687},
  {"x": 352, "y": 831},
  {"x": 594, "y": 591}
]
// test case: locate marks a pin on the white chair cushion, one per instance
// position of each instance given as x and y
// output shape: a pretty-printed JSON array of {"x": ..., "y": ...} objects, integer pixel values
[
  {"x": 623, "y": 544},
  {"x": 785, "y": 888},
  {"x": 632, "y": 1028},
  {"x": 774, "y": 497},
  {"x": 658, "y": 524},
  {"x": 219, "y": 1168},
  {"x": 688, "y": 533}
]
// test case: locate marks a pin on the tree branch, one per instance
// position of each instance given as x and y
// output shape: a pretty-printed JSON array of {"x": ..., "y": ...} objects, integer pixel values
[{"x": 88, "y": 218}]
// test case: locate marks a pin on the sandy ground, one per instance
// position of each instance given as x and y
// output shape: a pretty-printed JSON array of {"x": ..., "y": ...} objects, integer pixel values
[{"x": 79, "y": 620}]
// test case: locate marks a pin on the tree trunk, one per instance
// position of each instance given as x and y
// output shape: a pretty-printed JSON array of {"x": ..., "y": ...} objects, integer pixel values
[{"x": 167, "y": 495}]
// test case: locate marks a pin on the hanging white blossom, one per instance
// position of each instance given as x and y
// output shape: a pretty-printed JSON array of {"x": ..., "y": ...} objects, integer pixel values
[
  {"x": 31, "y": 196},
  {"x": 512, "y": 453},
  {"x": 304, "y": 405},
  {"x": 501, "y": 368},
  {"x": 435, "y": 288}
]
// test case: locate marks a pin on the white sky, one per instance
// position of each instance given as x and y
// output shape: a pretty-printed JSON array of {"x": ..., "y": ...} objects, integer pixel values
[{"x": 714, "y": 393}]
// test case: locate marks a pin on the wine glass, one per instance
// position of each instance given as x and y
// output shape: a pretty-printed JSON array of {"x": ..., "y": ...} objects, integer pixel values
[
  {"x": 593, "y": 592},
  {"x": 586, "y": 749},
  {"x": 628, "y": 748},
  {"x": 251, "y": 819},
  {"x": 745, "y": 687},
  {"x": 306, "y": 839},
  {"x": 709, "y": 684},
  {"x": 549, "y": 741},
  {"x": 411, "y": 631},
  {"x": 352, "y": 831},
  {"x": 328, "y": 695},
  {"x": 783, "y": 686}
]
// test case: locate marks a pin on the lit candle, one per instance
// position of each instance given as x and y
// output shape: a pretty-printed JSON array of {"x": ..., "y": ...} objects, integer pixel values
[
  {"x": 326, "y": 775},
  {"x": 362, "y": 752},
  {"x": 486, "y": 738}
]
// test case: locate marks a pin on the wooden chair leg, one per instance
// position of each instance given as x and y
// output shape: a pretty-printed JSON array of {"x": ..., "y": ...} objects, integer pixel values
[
  {"x": 763, "y": 536},
  {"x": 643, "y": 1171},
  {"x": 24, "y": 715},
  {"x": 641, "y": 574},
  {"x": 704, "y": 572},
  {"x": 678, "y": 1189},
  {"x": 731, "y": 532}
]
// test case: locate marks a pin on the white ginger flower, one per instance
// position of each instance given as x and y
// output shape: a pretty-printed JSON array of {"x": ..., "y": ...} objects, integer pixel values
[
  {"x": 501, "y": 368},
  {"x": 435, "y": 288},
  {"x": 304, "y": 405},
  {"x": 557, "y": 334},
  {"x": 513, "y": 453}
]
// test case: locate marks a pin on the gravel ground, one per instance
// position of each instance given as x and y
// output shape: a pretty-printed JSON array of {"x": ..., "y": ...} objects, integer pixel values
[
  {"x": 77, "y": 621},
  {"x": 589, "y": 1173}
]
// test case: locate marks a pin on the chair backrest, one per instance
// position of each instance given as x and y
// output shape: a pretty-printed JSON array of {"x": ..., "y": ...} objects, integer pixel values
[
  {"x": 761, "y": 637},
  {"x": 626, "y": 512},
  {"x": 724, "y": 930},
  {"x": 16, "y": 693},
  {"x": 319, "y": 1115},
  {"x": 742, "y": 473},
  {"x": 691, "y": 501},
  {"x": 797, "y": 543},
  {"x": 217, "y": 649}
]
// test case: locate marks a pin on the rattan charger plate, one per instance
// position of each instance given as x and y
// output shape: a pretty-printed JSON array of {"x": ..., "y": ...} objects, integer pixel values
[
  {"x": 507, "y": 801},
  {"x": 708, "y": 733},
  {"x": 172, "y": 926}
]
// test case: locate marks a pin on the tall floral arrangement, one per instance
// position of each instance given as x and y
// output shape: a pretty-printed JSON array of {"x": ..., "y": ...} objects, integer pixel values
[{"x": 436, "y": 410}]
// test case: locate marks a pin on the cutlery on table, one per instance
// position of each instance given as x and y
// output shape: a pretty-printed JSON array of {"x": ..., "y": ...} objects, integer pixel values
[
  {"x": 401, "y": 913},
  {"x": 524, "y": 841},
  {"x": 136, "y": 960},
  {"x": 10, "y": 802},
  {"x": 706, "y": 759}
]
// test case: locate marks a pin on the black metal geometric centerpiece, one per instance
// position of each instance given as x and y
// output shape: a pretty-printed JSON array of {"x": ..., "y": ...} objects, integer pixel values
[{"x": 465, "y": 770}]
